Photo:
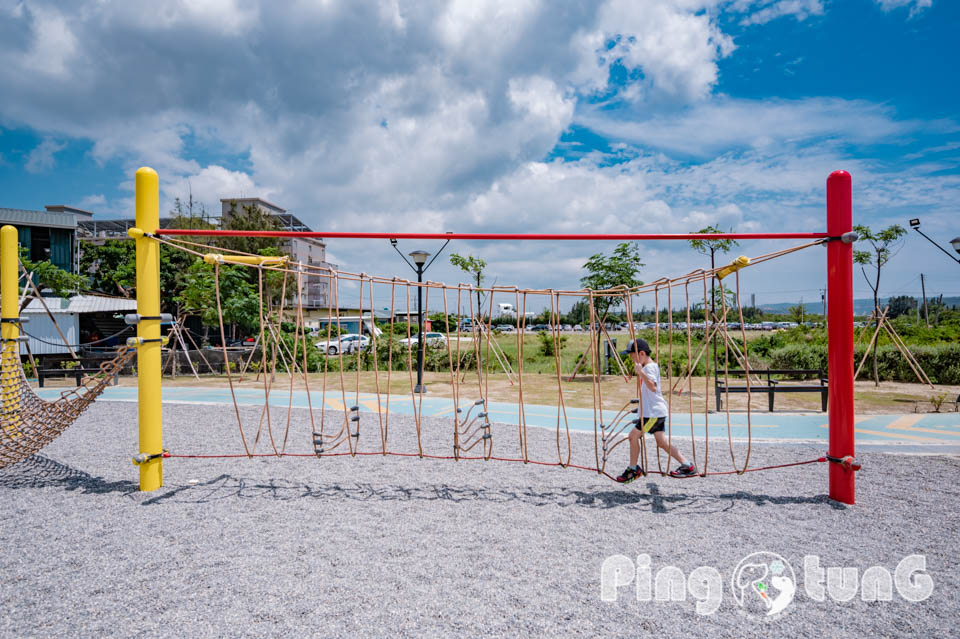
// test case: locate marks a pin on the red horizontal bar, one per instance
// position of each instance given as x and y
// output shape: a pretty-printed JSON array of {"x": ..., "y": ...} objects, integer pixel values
[{"x": 501, "y": 236}]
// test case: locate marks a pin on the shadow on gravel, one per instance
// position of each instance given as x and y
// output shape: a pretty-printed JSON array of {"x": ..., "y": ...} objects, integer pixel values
[
  {"x": 764, "y": 500},
  {"x": 42, "y": 472},
  {"x": 229, "y": 487}
]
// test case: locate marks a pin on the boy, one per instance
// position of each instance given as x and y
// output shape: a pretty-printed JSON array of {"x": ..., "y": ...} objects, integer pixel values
[{"x": 653, "y": 410}]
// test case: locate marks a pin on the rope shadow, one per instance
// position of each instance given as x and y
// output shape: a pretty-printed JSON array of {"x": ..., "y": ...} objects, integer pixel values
[
  {"x": 42, "y": 472},
  {"x": 769, "y": 500},
  {"x": 227, "y": 486}
]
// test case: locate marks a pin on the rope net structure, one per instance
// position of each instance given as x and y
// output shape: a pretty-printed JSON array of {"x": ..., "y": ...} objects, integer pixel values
[
  {"x": 469, "y": 361},
  {"x": 28, "y": 422}
]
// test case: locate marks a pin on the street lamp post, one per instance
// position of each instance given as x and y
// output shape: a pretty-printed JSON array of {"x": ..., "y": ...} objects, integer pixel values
[
  {"x": 955, "y": 242},
  {"x": 419, "y": 258}
]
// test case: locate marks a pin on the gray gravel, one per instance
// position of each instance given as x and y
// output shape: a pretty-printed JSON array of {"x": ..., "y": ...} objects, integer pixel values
[{"x": 408, "y": 547}]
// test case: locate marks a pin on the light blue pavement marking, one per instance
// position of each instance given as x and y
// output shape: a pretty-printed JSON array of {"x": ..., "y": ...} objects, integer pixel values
[{"x": 926, "y": 429}]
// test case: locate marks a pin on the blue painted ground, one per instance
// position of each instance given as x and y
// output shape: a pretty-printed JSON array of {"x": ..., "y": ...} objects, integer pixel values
[{"x": 940, "y": 431}]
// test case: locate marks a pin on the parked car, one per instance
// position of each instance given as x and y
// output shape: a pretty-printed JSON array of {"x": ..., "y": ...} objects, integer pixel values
[
  {"x": 348, "y": 343},
  {"x": 243, "y": 341},
  {"x": 507, "y": 328},
  {"x": 431, "y": 339},
  {"x": 577, "y": 328}
]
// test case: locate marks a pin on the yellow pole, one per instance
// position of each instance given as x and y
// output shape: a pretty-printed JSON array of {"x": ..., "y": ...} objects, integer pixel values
[
  {"x": 9, "y": 331},
  {"x": 148, "y": 353}
]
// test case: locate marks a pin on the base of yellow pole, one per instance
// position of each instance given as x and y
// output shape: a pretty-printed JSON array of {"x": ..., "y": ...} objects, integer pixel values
[{"x": 151, "y": 475}]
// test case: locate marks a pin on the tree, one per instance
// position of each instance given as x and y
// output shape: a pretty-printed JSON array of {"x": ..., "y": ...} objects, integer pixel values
[
  {"x": 711, "y": 248},
  {"x": 474, "y": 266},
  {"x": 238, "y": 297},
  {"x": 111, "y": 268},
  {"x": 620, "y": 269},
  {"x": 796, "y": 313},
  {"x": 249, "y": 218},
  {"x": 883, "y": 246},
  {"x": 901, "y": 305},
  {"x": 48, "y": 275},
  {"x": 191, "y": 215}
]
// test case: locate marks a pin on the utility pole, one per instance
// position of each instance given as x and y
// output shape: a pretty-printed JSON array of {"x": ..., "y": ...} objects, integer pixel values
[
  {"x": 823, "y": 299},
  {"x": 923, "y": 289}
]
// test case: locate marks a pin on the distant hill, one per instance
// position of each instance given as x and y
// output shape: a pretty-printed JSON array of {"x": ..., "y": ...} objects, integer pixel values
[{"x": 860, "y": 306}]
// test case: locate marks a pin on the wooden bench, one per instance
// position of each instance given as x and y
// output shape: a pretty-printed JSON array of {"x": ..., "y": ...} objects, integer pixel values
[
  {"x": 76, "y": 373},
  {"x": 773, "y": 386}
]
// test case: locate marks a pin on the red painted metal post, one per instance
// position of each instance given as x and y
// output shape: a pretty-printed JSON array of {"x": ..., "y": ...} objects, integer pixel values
[
  {"x": 495, "y": 236},
  {"x": 840, "y": 333}
]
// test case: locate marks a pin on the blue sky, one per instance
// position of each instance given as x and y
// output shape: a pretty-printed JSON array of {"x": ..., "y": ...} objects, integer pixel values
[{"x": 501, "y": 115}]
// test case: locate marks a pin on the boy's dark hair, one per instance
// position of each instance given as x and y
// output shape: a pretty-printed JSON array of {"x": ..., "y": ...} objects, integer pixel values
[{"x": 636, "y": 346}]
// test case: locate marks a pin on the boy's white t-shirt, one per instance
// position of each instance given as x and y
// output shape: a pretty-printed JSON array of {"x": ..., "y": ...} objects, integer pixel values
[{"x": 653, "y": 402}]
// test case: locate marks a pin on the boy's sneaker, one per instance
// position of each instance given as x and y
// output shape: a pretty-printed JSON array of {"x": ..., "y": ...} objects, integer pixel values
[
  {"x": 684, "y": 471},
  {"x": 629, "y": 475}
]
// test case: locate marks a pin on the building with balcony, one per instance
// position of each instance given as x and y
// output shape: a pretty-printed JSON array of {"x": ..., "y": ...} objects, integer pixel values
[{"x": 307, "y": 250}]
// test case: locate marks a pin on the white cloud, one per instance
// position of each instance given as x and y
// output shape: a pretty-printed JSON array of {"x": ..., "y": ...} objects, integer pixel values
[
  {"x": 209, "y": 185},
  {"x": 723, "y": 123},
  {"x": 438, "y": 115},
  {"x": 916, "y": 6},
  {"x": 41, "y": 158},
  {"x": 92, "y": 201},
  {"x": 53, "y": 45},
  {"x": 675, "y": 44},
  {"x": 763, "y": 11}
]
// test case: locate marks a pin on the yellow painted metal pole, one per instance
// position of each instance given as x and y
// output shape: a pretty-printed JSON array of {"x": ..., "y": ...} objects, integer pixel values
[
  {"x": 148, "y": 353},
  {"x": 9, "y": 331}
]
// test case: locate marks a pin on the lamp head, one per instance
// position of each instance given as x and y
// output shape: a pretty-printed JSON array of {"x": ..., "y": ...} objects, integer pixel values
[
  {"x": 956, "y": 244},
  {"x": 393, "y": 241},
  {"x": 915, "y": 223},
  {"x": 419, "y": 257}
]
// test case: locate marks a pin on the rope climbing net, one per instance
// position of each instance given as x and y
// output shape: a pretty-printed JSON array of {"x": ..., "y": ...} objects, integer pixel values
[
  {"x": 280, "y": 286},
  {"x": 28, "y": 422}
]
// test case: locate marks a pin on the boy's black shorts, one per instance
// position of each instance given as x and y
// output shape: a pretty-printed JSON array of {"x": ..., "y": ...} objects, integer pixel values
[{"x": 657, "y": 425}]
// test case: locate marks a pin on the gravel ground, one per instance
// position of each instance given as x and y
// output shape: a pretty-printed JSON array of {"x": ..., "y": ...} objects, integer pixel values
[{"x": 409, "y": 547}]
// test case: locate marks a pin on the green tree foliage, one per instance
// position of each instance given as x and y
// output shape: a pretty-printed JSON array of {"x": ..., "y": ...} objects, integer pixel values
[
  {"x": 46, "y": 275},
  {"x": 442, "y": 323},
  {"x": 238, "y": 295},
  {"x": 189, "y": 215},
  {"x": 619, "y": 269},
  {"x": 474, "y": 266},
  {"x": 883, "y": 246},
  {"x": 548, "y": 343},
  {"x": 112, "y": 269},
  {"x": 111, "y": 266},
  {"x": 901, "y": 305},
  {"x": 249, "y": 218},
  {"x": 796, "y": 313},
  {"x": 710, "y": 247}
]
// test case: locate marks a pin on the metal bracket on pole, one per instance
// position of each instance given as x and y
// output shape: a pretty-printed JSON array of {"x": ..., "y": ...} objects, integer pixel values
[
  {"x": 133, "y": 342},
  {"x": 132, "y": 319},
  {"x": 143, "y": 458}
]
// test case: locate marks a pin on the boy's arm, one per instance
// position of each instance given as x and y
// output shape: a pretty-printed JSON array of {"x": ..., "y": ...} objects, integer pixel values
[{"x": 649, "y": 383}]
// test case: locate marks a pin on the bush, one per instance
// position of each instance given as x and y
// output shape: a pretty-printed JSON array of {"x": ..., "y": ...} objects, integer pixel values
[
  {"x": 547, "y": 343},
  {"x": 940, "y": 363}
]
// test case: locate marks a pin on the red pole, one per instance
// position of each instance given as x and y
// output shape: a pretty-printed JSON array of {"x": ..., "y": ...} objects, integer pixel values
[
  {"x": 840, "y": 333},
  {"x": 496, "y": 236}
]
